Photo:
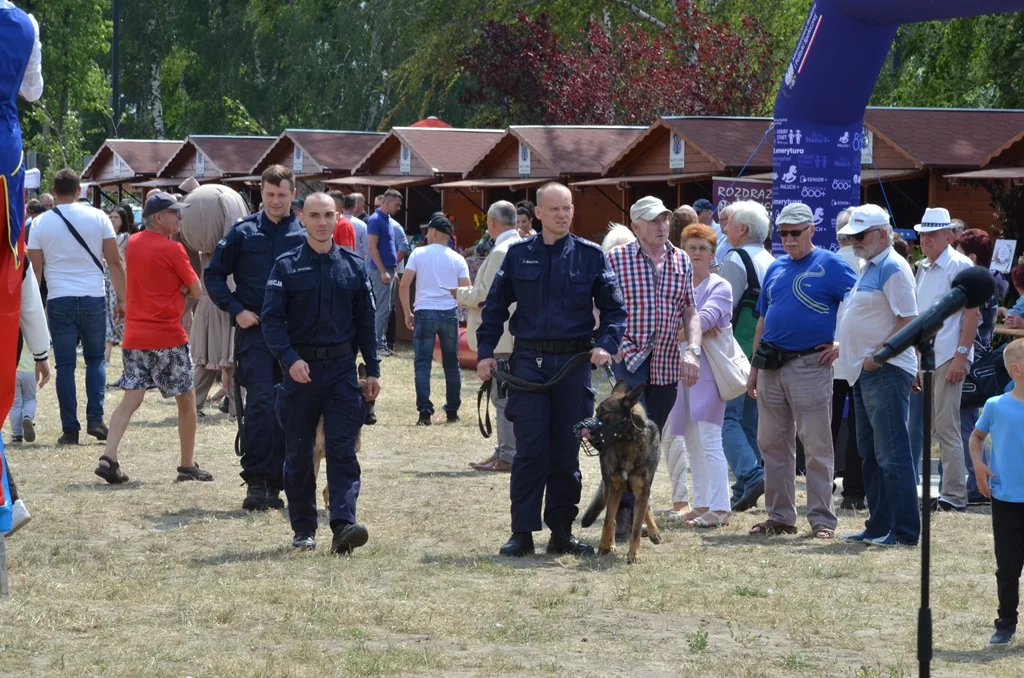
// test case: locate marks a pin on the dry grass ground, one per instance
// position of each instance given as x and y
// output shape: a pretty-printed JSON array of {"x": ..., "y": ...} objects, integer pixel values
[{"x": 156, "y": 578}]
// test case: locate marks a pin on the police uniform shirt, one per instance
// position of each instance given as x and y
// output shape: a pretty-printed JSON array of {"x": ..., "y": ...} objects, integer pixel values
[
  {"x": 319, "y": 300},
  {"x": 555, "y": 288},
  {"x": 248, "y": 252}
]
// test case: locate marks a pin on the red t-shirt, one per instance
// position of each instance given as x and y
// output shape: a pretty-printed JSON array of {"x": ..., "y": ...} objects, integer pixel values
[
  {"x": 345, "y": 234},
  {"x": 158, "y": 269}
]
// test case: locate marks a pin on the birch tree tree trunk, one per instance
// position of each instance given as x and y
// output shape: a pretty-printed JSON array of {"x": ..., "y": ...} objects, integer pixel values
[{"x": 156, "y": 105}]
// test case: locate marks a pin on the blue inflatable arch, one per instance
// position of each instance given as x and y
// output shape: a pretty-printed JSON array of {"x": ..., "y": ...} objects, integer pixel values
[{"x": 819, "y": 111}]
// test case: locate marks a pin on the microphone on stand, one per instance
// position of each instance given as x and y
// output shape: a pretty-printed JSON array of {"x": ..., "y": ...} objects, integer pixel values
[{"x": 972, "y": 287}]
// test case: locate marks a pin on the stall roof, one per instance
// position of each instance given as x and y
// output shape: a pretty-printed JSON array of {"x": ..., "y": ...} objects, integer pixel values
[
  {"x": 442, "y": 150},
  {"x": 645, "y": 178},
  {"x": 947, "y": 137},
  {"x": 991, "y": 173},
  {"x": 496, "y": 182},
  {"x": 380, "y": 180},
  {"x": 229, "y": 154},
  {"x": 144, "y": 157},
  {"x": 332, "y": 150}
]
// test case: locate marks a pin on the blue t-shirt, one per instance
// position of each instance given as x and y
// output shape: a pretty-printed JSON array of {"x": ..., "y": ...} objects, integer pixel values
[
  {"x": 379, "y": 224},
  {"x": 799, "y": 299},
  {"x": 1003, "y": 419}
]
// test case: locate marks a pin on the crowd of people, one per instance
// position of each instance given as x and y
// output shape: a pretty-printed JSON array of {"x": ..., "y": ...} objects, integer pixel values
[{"x": 654, "y": 302}]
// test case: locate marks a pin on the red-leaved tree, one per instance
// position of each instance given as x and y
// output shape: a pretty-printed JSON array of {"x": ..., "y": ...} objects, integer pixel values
[{"x": 697, "y": 66}]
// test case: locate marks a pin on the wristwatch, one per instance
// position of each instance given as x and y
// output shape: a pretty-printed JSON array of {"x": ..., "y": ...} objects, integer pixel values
[
  {"x": 962, "y": 350},
  {"x": 695, "y": 350}
]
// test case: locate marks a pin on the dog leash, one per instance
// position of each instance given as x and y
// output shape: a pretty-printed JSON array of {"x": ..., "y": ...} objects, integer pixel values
[{"x": 515, "y": 383}]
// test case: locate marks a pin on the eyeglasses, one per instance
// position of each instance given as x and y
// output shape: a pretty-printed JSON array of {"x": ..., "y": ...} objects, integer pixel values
[
  {"x": 783, "y": 234},
  {"x": 859, "y": 237},
  {"x": 697, "y": 248}
]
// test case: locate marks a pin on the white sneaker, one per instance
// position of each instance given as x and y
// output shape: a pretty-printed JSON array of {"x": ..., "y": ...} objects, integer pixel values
[{"x": 20, "y": 517}]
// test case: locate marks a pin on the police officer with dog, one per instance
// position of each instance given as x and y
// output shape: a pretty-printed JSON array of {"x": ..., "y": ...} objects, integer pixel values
[
  {"x": 248, "y": 252},
  {"x": 556, "y": 279},
  {"x": 317, "y": 312}
]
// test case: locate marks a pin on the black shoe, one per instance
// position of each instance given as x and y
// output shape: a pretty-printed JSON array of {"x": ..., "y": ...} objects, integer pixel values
[
  {"x": 274, "y": 500},
  {"x": 853, "y": 504},
  {"x": 256, "y": 497},
  {"x": 28, "y": 427},
  {"x": 97, "y": 430},
  {"x": 16, "y": 440},
  {"x": 623, "y": 522},
  {"x": 518, "y": 545},
  {"x": 304, "y": 541},
  {"x": 941, "y": 505},
  {"x": 566, "y": 544},
  {"x": 224, "y": 405},
  {"x": 68, "y": 438},
  {"x": 750, "y": 497},
  {"x": 452, "y": 417},
  {"x": 973, "y": 498},
  {"x": 424, "y": 419},
  {"x": 348, "y": 536},
  {"x": 1003, "y": 636}
]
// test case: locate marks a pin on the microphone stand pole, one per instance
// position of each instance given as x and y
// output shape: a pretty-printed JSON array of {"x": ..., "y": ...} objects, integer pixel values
[{"x": 924, "y": 613}]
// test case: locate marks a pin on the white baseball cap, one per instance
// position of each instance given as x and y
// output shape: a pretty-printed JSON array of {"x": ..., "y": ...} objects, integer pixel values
[
  {"x": 865, "y": 218},
  {"x": 647, "y": 208}
]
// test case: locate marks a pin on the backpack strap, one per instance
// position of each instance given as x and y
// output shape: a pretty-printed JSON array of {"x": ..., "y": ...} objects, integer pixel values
[
  {"x": 79, "y": 238},
  {"x": 753, "y": 284}
]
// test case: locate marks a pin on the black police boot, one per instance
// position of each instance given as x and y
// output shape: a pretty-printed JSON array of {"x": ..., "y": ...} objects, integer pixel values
[
  {"x": 256, "y": 496},
  {"x": 347, "y": 536},
  {"x": 304, "y": 541},
  {"x": 562, "y": 542},
  {"x": 518, "y": 545},
  {"x": 68, "y": 438},
  {"x": 274, "y": 500}
]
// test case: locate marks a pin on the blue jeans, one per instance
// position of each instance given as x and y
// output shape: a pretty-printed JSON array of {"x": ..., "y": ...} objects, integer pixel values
[
  {"x": 71, "y": 319},
  {"x": 882, "y": 399},
  {"x": 739, "y": 440},
  {"x": 443, "y": 324}
]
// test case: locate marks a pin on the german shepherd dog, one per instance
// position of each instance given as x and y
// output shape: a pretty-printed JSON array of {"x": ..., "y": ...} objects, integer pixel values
[
  {"x": 628, "y": 462},
  {"x": 320, "y": 446}
]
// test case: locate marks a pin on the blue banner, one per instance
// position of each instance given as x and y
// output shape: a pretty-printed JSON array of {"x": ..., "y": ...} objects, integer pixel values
[{"x": 819, "y": 166}]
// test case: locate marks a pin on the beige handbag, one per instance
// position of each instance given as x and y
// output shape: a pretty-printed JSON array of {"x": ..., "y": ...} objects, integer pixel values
[{"x": 729, "y": 365}]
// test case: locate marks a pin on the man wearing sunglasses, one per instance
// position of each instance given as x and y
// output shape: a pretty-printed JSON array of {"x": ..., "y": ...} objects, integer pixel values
[
  {"x": 882, "y": 302},
  {"x": 791, "y": 373}
]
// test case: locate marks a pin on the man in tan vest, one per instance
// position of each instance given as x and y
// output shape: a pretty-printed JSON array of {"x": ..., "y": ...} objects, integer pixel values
[{"x": 501, "y": 227}]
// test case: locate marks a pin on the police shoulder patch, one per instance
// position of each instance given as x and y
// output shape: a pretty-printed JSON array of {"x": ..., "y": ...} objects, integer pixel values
[{"x": 274, "y": 283}]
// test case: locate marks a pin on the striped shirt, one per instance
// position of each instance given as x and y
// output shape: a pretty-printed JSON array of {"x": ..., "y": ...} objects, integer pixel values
[{"x": 654, "y": 303}]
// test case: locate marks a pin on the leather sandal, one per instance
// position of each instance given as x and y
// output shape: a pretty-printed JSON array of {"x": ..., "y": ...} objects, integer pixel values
[
  {"x": 770, "y": 528},
  {"x": 111, "y": 472},
  {"x": 823, "y": 533}
]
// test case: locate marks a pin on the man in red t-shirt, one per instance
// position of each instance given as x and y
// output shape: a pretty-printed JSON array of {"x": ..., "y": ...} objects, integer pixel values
[
  {"x": 155, "y": 345},
  {"x": 344, "y": 231}
]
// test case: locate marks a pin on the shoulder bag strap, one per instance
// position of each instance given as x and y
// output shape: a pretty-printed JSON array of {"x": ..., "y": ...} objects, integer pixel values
[
  {"x": 79, "y": 239},
  {"x": 753, "y": 285}
]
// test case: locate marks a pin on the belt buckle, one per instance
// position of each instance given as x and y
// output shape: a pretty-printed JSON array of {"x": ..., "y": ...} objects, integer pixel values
[{"x": 320, "y": 353}]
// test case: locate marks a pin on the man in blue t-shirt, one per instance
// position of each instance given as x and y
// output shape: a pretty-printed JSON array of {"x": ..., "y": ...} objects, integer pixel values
[
  {"x": 383, "y": 260},
  {"x": 794, "y": 347},
  {"x": 1002, "y": 479}
]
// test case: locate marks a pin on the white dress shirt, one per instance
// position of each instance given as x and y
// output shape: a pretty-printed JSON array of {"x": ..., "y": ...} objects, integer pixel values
[{"x": 933, "y": 282}]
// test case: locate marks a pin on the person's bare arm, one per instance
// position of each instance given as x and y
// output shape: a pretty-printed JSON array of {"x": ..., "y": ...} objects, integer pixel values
[
  {"x": 377, "y": 261},
  {"x": 36, "y": 257},
  {"x": 112, "y": 255},
  {"x": 958, "y": 369},
  {"x": 982, "y": 472},
  {"x": 403, "y": 295},
  {"x": 752, "y": 379},
  {"x": 195, "y": 290}
]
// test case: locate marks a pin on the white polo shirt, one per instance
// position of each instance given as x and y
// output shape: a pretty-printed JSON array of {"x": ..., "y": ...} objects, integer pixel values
[
  {"x": 436, "y": 266},
  {"x": 884, "y": 292},
  {"x": 68, "y": 269},
  {"x": 933, "y": 282}
]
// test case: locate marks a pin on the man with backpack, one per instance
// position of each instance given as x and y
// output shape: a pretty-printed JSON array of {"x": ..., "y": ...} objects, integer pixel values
[
  {"x": 746, "y": 225},
  {"x": 66, "y": 246}
]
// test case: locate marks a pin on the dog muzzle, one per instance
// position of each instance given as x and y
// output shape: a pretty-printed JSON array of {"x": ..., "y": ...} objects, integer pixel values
[{"x": 595, "y": 435}]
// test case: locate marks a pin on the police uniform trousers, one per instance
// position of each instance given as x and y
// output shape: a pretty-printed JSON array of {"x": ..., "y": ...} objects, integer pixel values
[
  {"x": 333, "y": 393},
  {"x": 263, "y": 439},
  {"x": 547, "y": 452}
]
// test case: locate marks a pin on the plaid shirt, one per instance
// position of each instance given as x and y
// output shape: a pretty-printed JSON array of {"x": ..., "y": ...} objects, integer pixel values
[{"x": 654, "y": 306}]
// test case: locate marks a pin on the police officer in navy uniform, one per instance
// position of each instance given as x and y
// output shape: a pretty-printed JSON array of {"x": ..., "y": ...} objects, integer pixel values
[
  {"x": 318, "y": 310},
  {"x": 555, "y": 279},
  {"x": 248, "y": 252}
]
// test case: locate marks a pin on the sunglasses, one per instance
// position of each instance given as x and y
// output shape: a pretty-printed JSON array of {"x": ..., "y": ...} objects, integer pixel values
[
  {"x": 859, "y": 237},
  {"x": 783, "y": 234}
]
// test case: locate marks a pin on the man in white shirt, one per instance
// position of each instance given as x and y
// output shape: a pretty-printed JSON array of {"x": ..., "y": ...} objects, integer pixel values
[
  {"x": 882, "y": 302},
  {"x": 954, "y": 351},
  {"x": 437, "y": 270},
  {"x": 501, "y": 227},
  {"x": 66, "y": 246}
]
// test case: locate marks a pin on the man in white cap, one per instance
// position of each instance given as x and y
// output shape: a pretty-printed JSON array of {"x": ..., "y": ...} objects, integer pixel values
[
  {"x": 791, "y": 373},
  {"x": 881, "y": 303},
  {"x": 954, "y": 350},
  {"x": 656, "y": 281}
]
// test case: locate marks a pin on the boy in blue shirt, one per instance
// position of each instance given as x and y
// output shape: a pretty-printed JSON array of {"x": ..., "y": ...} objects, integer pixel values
[{"x": 1003, "y": 418}]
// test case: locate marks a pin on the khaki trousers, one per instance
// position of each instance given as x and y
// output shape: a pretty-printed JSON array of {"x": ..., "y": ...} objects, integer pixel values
[
  {"x": 946, "y": 432},
  {"x": 797, "y": 400}
]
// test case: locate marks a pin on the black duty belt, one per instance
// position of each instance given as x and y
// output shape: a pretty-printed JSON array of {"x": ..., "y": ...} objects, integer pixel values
[
  {"x": 789, "y": 355},
  {"x": 309, "y": 353},
  {"x": 554, "y": 347}
]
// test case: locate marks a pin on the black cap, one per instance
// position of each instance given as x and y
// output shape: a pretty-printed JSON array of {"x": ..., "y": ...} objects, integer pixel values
[
  {"x": 441, "y": 223},
  {"x": 298, "y": 202},
  {"x": 158, "y": 202}
]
